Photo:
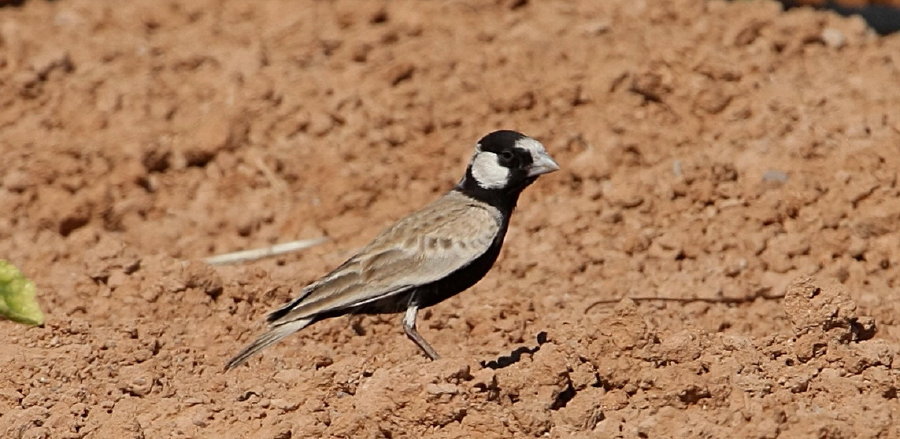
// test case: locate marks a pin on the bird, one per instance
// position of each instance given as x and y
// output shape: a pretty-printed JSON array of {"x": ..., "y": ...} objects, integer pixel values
[{"x": 426, "y": 257}]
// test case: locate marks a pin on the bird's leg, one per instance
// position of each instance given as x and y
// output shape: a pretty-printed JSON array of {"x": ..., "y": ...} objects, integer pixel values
[{"x": 409, "y": 326}]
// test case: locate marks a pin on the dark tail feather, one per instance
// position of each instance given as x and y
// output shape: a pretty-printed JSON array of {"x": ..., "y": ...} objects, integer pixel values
[
  {"x": 286, "y": 309},
  {"x": 281, "y": 312},
  {"x": 267, "y": 339}
]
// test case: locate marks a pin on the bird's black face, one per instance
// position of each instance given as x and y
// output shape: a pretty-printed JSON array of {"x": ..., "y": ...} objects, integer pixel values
[{"x": 505, "y": 162}]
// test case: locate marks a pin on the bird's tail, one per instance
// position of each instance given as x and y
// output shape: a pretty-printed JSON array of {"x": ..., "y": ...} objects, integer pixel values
[{"x": 270, "y": 337}]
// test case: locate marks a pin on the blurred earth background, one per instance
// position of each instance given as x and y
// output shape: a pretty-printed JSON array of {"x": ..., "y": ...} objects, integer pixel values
[{"x": 735, "y": 160}]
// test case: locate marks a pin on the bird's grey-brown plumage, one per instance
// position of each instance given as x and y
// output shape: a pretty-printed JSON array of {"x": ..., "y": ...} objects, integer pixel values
[
  {"x": 409, "y": 260},
  {"x": 422, "y": 248}
]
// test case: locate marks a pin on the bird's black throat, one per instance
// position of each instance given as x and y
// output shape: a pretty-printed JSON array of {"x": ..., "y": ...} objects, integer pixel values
[{"x": 504, "y": 199}]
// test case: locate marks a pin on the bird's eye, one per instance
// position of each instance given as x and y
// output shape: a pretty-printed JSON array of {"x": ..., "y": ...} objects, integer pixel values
[{"x": 506, "y": 155}]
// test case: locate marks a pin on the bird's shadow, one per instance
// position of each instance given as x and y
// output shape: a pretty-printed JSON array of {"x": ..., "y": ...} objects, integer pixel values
[{"x": 516, "y": 355}]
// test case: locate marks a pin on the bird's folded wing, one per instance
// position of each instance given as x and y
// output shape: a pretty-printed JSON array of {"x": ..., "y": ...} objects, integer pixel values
[{"x": 422, "y": 248}]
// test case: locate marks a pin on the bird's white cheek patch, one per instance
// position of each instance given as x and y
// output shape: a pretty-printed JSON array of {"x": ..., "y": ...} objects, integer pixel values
[{"x": 488, "y": 172}]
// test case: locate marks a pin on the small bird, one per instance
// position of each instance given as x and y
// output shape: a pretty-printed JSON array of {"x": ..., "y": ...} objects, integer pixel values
[{"x": 428, "y": 256}]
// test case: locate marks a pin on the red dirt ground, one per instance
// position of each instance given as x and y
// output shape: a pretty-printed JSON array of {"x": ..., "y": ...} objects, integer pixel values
[{"x": 725, "y": 152}]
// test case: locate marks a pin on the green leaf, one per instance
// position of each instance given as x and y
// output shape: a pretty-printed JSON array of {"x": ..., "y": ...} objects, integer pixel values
[{"x": 17, "y": 296}]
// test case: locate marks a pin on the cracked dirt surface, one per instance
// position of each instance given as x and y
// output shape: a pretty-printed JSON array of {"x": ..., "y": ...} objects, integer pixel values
[{"x": 728, "y": 153}]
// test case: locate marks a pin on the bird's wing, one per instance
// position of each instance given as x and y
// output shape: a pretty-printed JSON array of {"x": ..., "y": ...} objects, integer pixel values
[{"x": 424, "y": 247}]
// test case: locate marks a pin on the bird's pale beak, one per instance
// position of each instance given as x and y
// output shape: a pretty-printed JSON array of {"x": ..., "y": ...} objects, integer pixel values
[{"x": 542, "y": 164}]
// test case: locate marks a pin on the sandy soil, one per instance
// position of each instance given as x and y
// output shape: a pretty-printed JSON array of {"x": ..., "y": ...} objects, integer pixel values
[{"x": 727, "y": 153}]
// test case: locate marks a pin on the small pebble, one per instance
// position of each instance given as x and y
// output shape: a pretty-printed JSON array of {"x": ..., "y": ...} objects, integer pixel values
[
  {"x": 775, "y": 175},
  {"x": 833, "y": 38}
]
